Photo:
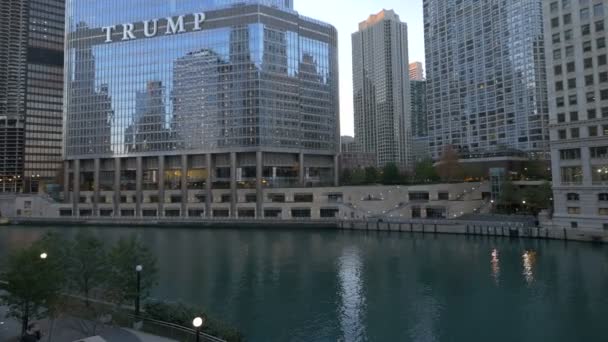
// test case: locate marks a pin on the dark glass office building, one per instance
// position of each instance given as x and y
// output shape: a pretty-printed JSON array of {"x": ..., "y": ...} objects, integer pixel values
[
  {"x": 31, "y": 93},
  {"x": 194, "y": 108}
]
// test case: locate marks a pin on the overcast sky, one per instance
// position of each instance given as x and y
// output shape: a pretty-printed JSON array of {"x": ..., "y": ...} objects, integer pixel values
[{"x": 345, "y": 15}]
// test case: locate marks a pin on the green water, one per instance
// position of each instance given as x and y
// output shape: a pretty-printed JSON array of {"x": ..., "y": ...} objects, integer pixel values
[{"x": 302, "y": 285}]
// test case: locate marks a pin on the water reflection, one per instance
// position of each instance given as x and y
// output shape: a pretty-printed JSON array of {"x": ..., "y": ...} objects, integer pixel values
[
  {"x": 529, "y": 259},
  {"x": 495, "y": 266},
  {"x": 351, "y": 295}
]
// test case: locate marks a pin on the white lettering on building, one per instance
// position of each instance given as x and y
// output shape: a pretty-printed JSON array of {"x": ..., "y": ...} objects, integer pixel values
[{"x": 150, "y": 27}]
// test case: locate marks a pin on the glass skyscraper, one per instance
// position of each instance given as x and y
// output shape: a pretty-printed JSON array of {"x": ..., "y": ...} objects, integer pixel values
[
  {"x": 190, "y": 108},
  {"x": 31, "y": 93},
  {"x": 486, "y": 76}
]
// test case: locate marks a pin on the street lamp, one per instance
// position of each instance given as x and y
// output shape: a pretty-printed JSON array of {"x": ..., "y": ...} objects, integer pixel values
[
  {"x": 43, "y": 256},
  {"x": 138, "y": 270},
  {"x": 198, "y": 323}
]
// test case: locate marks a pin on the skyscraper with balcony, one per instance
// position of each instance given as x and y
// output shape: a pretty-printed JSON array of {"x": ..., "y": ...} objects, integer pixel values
[
  {"x": 381, "y": 88},
  {"x": 486, "y": 76},
  {"x": 31, "y": 92},
  {"x": 189, "y": 108},
  {"x": 577, "y": 62}
]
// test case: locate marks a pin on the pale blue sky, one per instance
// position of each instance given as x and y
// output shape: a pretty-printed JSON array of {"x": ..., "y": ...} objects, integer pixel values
[{"x": 345, "y": 15}]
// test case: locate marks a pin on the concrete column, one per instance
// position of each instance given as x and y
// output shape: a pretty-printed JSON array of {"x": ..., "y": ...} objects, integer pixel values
[
  {"x": 117, "y": 170},
  {"x": 76, "y": 192},
  {"x": 301, "y": 174},
  {"x": 208, "y": 183},
  {"x": 96, "y": 187},
  {"x": 161, "y": 186},
  {"x": 139, "y": 174},
  {"x": 587, "y": 169},
  {"x": 259, "y": 164},
  {"x": 336, "y": 170},
  {"x": 233, "y": 192},
  {"x": 66, "y": 181},
  {"x": 184, "y": 182}
]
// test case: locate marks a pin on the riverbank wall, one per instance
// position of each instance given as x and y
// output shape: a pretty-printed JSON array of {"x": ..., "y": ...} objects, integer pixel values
[{"x": 457, "y": 227}]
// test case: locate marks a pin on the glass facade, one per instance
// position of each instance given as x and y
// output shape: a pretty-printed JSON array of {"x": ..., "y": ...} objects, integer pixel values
[
  {"x": 31, "y": 93},
  {"x": 172, "y": 100},
  {"x": 486, "y": 76},
  {"x": 242, "y": 81}
]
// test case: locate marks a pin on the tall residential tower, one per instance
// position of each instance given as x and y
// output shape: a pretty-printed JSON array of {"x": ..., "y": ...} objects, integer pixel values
[
  {"x": 486, "y": 78},
  {"x": 577, "y": 59},
  {"x": 31, "y": 92},
  {"x": 381, "y": 92}
]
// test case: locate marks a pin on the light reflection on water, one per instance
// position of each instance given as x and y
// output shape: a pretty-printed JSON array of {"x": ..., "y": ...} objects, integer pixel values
[
  {"x": 495, "y": 266},
  {"x": 351, "y": 295},
  {"x": 529, "y": 259}
]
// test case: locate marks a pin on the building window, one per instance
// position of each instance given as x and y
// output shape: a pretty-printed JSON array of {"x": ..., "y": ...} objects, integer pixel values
[
  {"x": 555, "y": 22},
  {"x": 572, "y": 83},
  {"x": 573, "y": 197},
  {"x": 584, "y": 14},
  {"x": 561, "y": 117},
  {"x": 567, "y": 19},
  {"x": 589, "y": 80},
  {"x": 247, "y": 213},
  {"x": 599, "y": 152},
  {"x": 602, "y": 211},
  {"x": 588, "y": 63},
  {"x": 273, "y": 213},
  {"x": 226, "y": 198},
  {"x": 569, "y": 51},
  {"x": 598, "y": 10},
  {"x": 602, "y": 197},
  {"x": 303, "y": 198},
  {"x": 590, "y": 97},
  {"x": 592, "y": 131},
  {"x": 574, "y": 133},
  {"x": 573, "y": 116},
  {"x": 221, "y": 213},
  {"x": 557, "y": 69},
  {"x": 562, "y": 134},
  {"x": 605, "y": 226},
  {"x": 601, "y": 60},
  {"x": 604, "y": 77},
  {"x": 604, "y": 94},
  {"x": 568, "y": 35},
  {"x": 419, "y": 196},
  {"x": 587, "y": 46},
  {"x": 300, "y": 213},
  {"x": 572, "y": 175},
  {"x": 559, "y": 86},
  {"x": 605, "y": 129},
  {"x": 553, "y": 7},
  {"x": 276, "y": 198},
  {"x": 591, "y": 114},
  {"x": 573, "y": 225},
  {"x": 443, "y": 196},
  {"x": 600, "y": 174},
  {"x": 329, "y": 212},
  {"x": 601, "y": 43},
  {"x": 570, "y": 67},
  {"x": 251, "y": 198},
  {"x": 586, "y": 30},
  {"x": 599, "y": 26},
  {"x": 574, "y": 210},
  {"x": 570, "y": 154},
  {"x": 559, "y": 101}
]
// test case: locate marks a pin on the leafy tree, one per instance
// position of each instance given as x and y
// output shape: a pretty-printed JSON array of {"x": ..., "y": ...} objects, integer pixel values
[
  {"x": 121, "y": 275},
  {"x": 538, "y": 198},
  {"x": 390, "y": 174},
  {"x": 346, "y": 178},
  {"x": 425, "y": 171},
  {"x": 371, "y": 175},
  {"x": 358, "y": 177},
  {"x": 87, "y": 265},
  {"x": 34, "y": 283},
  {"x": 449, "y": 168}
]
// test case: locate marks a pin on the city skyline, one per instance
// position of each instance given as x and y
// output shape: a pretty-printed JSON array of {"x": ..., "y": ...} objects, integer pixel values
[{"x": 410, "y": 12}]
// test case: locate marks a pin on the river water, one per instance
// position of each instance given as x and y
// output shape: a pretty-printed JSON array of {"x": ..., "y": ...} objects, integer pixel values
[{"x": 324, "y": 285}]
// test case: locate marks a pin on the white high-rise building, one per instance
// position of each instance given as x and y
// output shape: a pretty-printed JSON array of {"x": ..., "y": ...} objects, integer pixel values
[
  {"x": 577, "y": 65},
  {"x": 381, "y": 92}
]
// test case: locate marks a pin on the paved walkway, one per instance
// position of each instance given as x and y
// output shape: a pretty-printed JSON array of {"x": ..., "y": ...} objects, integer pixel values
[{"x": 70, "y": 329}]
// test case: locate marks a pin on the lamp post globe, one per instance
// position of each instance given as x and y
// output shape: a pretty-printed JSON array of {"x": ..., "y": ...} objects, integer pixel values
[
  {"x": 198, "y": 323},
  {"x": 43, "y": 256},
  {"x": 139, "y": 268}
]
